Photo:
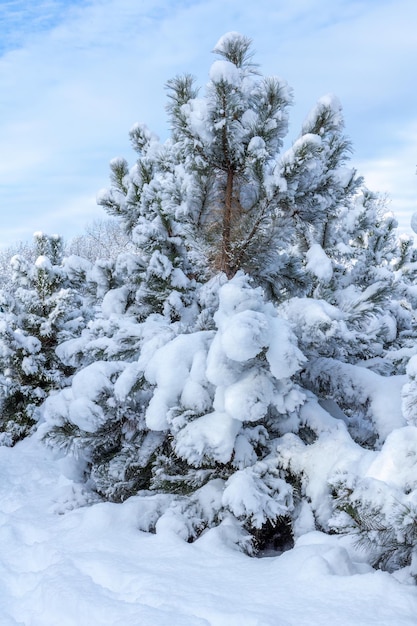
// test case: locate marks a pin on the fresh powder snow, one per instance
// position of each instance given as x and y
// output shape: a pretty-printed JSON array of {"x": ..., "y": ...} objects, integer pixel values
[{"x": 73, "y": 565}]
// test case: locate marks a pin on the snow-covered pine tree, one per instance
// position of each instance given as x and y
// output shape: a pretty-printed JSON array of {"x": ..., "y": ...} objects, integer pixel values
[
  {"x": 171, "y": 205},
  {"x": 258, "y": 295},
  {"x": 39, "y": 310}
]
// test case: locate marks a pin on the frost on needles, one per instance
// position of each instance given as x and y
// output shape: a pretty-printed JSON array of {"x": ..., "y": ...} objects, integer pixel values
[{"x": 247, "y": 360}]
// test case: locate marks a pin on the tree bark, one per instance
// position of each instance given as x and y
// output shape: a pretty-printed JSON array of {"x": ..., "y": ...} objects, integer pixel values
[{"x": 226, "y": 256}]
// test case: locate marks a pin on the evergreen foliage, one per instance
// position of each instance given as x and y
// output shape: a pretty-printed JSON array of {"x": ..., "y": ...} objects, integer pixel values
[
  {"x": 385, "y": 530},
  {"x": 256, "y": 326},
  {"x": 39, "y": 310}
]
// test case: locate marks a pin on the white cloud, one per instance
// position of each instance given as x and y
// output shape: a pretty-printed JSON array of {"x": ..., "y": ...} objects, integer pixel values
[{"x": 394, "y": 173}]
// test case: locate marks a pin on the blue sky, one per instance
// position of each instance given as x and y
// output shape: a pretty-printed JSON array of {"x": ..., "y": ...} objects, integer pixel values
[{"x": 75, "y": 75}]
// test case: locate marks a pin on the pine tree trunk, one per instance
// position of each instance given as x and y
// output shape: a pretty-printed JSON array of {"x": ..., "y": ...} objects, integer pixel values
[{"x": 226, "y": 258}]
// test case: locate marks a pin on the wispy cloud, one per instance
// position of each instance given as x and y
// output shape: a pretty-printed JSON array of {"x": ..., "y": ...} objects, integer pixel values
[
  {"x": 76, "y": 74},
  {"x": 20, "y": 19},
  {"x": 394, "y": 173}
]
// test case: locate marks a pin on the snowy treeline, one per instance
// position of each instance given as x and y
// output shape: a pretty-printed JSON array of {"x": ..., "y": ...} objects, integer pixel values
[{"x": 247, "y": 356}]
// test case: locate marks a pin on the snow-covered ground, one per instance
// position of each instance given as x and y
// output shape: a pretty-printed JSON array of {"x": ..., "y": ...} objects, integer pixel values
[{"x": 66, "y": 566}]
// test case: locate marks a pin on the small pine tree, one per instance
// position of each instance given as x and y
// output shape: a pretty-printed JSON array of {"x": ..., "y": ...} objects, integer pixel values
[{"x": 39, "y": 310}]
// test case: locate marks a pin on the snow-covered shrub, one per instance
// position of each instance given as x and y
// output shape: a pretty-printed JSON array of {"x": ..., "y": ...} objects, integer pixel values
[
  {"x": 380, "y": 507},
  {"x": 193, "y": 409}
]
